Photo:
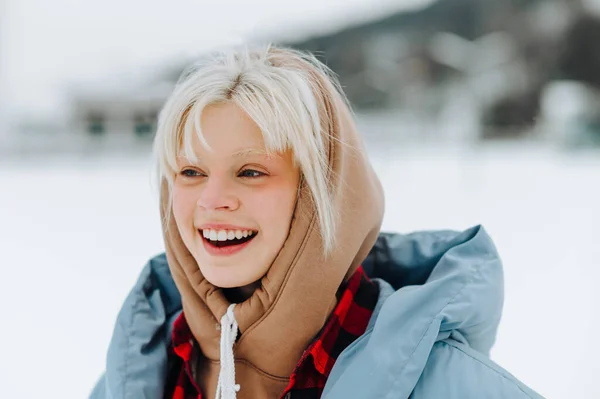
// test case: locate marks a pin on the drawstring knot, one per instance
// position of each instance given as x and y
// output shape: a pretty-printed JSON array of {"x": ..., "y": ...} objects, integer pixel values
[{"x": 226, "y": 386}]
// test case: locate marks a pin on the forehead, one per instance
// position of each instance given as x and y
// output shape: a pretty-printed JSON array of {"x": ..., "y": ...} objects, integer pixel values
[
  {"x": 224, "y": 130},
  {"x": 229, "y": 133},
  {"x": 228, "y": 125}
]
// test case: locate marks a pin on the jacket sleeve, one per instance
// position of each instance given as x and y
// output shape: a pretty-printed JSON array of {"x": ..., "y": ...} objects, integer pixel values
[
  {"x": 456, "y": 371},
  {"x": 99, "y": 391}
]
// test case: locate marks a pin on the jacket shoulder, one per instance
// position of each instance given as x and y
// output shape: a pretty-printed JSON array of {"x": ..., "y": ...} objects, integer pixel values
[
  {"x": 137, "y": 357},
  {"x": 454, "y": 370}
]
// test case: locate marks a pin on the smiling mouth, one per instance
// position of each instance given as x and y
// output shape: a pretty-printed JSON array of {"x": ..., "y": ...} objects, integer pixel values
[{"x": 222, "y": 242}]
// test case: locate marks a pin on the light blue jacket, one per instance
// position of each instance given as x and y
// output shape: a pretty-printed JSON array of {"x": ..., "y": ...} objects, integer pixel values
[{"x": 439, "y": 307}]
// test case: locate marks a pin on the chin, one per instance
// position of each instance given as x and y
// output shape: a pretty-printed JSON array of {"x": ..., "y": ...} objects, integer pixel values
[
  {"x": 222, "y": 278},
  {"x": 223, "y": 283}
]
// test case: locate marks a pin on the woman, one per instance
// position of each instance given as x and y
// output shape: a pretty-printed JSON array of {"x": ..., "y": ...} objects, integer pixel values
[{"x": 276, "y": 281}]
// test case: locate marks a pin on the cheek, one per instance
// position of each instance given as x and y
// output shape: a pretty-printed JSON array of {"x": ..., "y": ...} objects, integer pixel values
[
  {"x": 183, "y": 208},
  {"x": 275, "y": 211}
]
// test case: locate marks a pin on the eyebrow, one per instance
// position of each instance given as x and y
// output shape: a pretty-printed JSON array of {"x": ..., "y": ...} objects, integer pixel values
[
  {"x": 245, "y": 153},
  {"x": 253, "y": 151}
]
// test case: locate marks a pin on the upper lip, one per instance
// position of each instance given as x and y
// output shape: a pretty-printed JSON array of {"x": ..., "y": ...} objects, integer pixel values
[{"x": 221, "y": 226}]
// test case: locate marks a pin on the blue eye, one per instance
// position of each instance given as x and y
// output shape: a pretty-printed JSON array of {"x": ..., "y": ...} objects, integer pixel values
[
  {"x": 251, "y": 173},
  {"x": 190, "y": 173}
]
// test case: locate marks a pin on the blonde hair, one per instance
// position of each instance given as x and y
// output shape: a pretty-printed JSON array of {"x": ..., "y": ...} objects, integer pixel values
[{"x": 277, "y": 88}]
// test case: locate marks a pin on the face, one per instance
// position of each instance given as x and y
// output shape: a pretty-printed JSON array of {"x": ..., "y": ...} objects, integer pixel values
[{"x": 234, "y": 206}]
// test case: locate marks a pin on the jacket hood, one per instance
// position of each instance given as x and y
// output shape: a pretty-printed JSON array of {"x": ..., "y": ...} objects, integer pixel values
[
  {"x": 434, "y": 285},
  {"x": 298, "y": 292},
  {"x": 455, "y": 275}
]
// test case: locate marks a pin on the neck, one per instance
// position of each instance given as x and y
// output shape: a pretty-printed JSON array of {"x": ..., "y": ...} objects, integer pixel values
[{"x": 240, "y": 294}]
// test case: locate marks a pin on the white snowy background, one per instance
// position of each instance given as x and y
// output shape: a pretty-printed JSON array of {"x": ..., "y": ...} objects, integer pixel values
[{"x": 75, "y": 234}]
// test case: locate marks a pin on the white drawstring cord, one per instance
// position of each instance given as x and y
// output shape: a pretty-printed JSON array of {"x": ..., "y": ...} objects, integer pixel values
[{"x": 226, "y": 387}]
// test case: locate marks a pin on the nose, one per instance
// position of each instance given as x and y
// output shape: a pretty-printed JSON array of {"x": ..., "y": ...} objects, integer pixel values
[{"x": 218, "y": 194}]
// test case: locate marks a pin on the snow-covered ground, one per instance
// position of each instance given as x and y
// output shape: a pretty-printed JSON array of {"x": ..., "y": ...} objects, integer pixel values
[{"x": 74, "y": 234}]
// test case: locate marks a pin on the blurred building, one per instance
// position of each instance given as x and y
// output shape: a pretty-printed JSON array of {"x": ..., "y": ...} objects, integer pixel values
[
  {"x": 453, "y": 70},
  {"x": 119, "y": 113}
]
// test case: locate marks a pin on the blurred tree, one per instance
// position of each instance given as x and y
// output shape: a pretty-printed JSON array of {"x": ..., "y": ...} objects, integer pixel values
[
  {"x": 511, "y": 115},
  {"x": 579, "y": 58}
]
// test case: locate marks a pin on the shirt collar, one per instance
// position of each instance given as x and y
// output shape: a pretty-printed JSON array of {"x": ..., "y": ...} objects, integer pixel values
[{"x": 347, "y": 322}]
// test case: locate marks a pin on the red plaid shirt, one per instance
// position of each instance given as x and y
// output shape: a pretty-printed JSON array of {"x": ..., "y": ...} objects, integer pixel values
[{"x": 348, "y": 321}]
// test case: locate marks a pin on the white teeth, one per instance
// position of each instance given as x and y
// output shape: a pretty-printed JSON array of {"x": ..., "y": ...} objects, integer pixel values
[{"x": 224, "y": 235}]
